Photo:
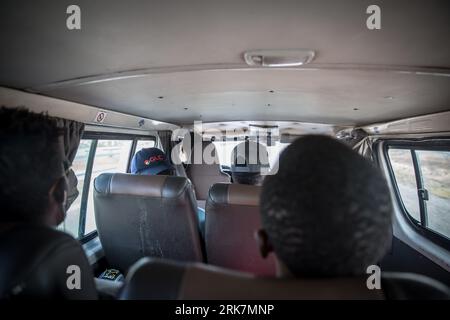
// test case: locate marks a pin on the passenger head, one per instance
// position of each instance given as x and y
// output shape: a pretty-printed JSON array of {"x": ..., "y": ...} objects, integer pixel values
[
  {"x": 247, "y": 160},
  {"x": 33, "y": 186},
  {"x": 151, "y": 161},
  {"x": 327, "y": 212}
]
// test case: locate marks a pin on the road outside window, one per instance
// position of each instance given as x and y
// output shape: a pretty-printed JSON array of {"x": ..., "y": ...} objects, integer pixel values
[
  {"x": 111, "y": 156},
  {"x": 79, "y": 164},
  {"x": 428, "y": 186}
]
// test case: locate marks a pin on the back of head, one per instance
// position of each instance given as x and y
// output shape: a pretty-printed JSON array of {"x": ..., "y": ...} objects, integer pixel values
[
  {"x": 327, "y": 212},
  {"x": 31, "y": 160},
  {"x": 247, "y": 160},
  {"x": 151, "y": 161}
]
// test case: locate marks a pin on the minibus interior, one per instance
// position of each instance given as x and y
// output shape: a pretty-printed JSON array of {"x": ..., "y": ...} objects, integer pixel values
[{"x": 160, "y": 74}]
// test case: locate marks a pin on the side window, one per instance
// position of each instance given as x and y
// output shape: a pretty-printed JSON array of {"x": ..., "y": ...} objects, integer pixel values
[
  {"x": 79, "y": 166},
  {"x": 94, "y": 157},
  {"x": 435, "y": 169},
  {"x": 225, "y": 148},
  {"x": 144, "y": 144},
  {"x": 423, "y": 183},
  {"x": 110, "y": 156},
  {"x": 403, "y": 167}
]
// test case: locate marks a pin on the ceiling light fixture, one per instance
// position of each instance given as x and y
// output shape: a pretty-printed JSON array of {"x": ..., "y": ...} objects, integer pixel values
[{"x": 279, "y": 58}]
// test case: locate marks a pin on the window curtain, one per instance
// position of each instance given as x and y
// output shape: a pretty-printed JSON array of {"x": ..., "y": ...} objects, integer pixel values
[
  {"x": 72, "y": 132},
  {"x": 166, "y": 143},
  {"x": 364, "y": 148},
  {"x": 362, "y": 143}
]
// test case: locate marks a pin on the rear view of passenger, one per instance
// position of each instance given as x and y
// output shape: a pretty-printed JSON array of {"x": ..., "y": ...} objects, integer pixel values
[
  {"x": 247, "y": 161},
  {"x": 326, "y": 216},
  {"x": 326, "y": 213},
  {"x": 151, "y": 161},
  {"x": 34, "y": 257}
]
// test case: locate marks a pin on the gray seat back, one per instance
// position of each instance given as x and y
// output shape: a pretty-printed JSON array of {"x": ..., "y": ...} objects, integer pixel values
[{"x": 140, "y": 215}]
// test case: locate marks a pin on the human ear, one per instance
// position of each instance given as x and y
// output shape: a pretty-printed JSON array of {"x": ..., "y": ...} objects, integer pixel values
[
  {"x": 58, "y": 200},
  {"x": 264, "y": 244}
]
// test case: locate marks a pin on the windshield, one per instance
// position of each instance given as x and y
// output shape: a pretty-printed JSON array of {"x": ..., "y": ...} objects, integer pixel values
[{"x": 224, "y": 149}]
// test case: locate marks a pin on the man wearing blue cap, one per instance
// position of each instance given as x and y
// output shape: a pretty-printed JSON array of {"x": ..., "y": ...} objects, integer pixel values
[{"x": 151, "y": 161}]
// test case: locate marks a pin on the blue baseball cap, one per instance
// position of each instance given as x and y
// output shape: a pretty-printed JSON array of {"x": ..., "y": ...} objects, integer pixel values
[{"x": 150, "y": 161}]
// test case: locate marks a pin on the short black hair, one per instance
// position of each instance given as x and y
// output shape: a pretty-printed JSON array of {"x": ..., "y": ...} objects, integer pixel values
[
  {"x": 327, "y": 211},
  {"x": 250, "y": 178},
  {"x": 31, "y": 160}
]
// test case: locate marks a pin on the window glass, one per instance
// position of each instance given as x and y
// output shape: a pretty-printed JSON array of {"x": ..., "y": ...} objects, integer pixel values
[
  {"x": 275, "y": 151},
  {"x": 225, "y": 148},
  {"x": 435, "y": 170},
  {"x": 110, "y": 156},
  {"x": 141, "y": 144},
  {"x": 433, "y": 175},
  {"x": 403, "y": 167},
  {"x": 79, "y": 164}
]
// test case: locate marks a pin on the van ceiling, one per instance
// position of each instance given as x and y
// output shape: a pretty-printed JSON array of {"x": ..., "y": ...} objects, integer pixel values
[{"x": 179, "y": 61}]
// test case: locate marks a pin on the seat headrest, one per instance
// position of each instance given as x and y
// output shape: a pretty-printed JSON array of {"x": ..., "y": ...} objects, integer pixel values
[
  {"x": 412, "y": 286},
  {"x": 152, "y": 278},
  {"x": 235, "y": 194},
  {"x": 140, "y": 185},
  {"x": 34, "y": 263},
  {"x": 200, "y": 281}
]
